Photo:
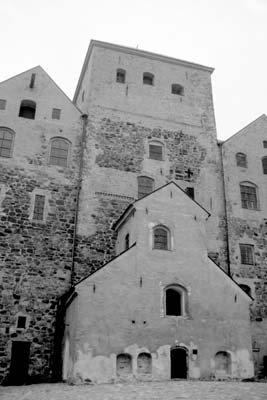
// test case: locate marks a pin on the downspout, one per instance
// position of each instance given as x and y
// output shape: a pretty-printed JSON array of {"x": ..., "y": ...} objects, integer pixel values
[
  {"x": 79, "y": 186},
  {"x": 226, "y": 215}
]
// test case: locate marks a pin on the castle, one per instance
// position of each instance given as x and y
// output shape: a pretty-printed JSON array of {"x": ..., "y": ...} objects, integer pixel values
[{"x": 133, "y": 243}]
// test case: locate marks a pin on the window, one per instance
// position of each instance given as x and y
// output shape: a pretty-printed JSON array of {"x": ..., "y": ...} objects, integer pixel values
[
  {"x": 120, "y": 76},
  {"x": 161, "y": 238},
  {"x": 190, "y": 191},
  {"x": 148, "y": 78},
  {"x": 56, "y": 113},
  {"x": 32, "y": 81},
  {"x": 264, "y": 165},
  {"x": 156, "y": 151},
  {"x": 21, "y": 322},
  {"x": 27, "y": 109},
  {"x": 248, "y": 196},
  {"x": 177, "y": 89},
  {"x": 6, "y": 142},
  {"x": 246, "y": 289},
  {"x": 264, "y": 144},
  {"x": 124, "y": 364},
  {"x": 241, "y": 160},
  {"x": 247, "y": 254},
  {"x": 39, "y": 203},
  {"x": 2, "y": 104},
  {"x": 83, "y": 96},
  {"x": 127, "y": 241},
  {"x": 175, "y": 299},
  {"x": 145, "y": 186},
  {"x": 59, "y": 152},
  {"x": 144, "y": 363}
]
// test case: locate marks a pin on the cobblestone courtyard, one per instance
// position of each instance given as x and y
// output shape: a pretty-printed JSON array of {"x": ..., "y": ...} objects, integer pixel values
[{"x": 171, "y": 390}]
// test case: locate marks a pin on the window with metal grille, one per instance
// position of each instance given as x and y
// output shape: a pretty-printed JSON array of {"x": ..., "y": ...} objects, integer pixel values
[
  {"x": 264, "y": 165},
  {"x": 120, "y": 75},
  {"x": 148, "y": 78},
  {"x": 59, "y": 152},
  {"x": 155, "y": 152},
  {"x": 264, "y": 144},
  {"x": 177, "y": 89},
  {"x": 6, "y": 142},
  {"x": 2, "y": 104},
  {"x": 161, "y": 238},
  {"x": 248, "y": 197},
  {"x": 145, "y": 186},
  {"x": 241, "y": 160},
  {"x": 127, "y": 241},
  {"x": 56, "y": 113},
  {"x": 27, "y": 109},
  {"x": 39, "y": 203},
  {"x": 247, "y": 254}
]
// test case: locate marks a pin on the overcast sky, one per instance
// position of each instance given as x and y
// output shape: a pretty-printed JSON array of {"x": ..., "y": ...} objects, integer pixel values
[{"x": 229, "y": 35}]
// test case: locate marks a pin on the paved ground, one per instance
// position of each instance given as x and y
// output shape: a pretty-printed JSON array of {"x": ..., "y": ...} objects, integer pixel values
[{"x": 171, "y": 390}]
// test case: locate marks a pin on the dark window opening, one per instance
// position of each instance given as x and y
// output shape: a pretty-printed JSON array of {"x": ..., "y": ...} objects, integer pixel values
[
  {"x": 191, "y": 192},
  {"x": 155, "y": 152},
  {"x": 39, "y": 203},
  {"x": 124, "y": 364},
  {"x": 21, "y": 323},
  {"x": 56, "y": 113},
  {"x": 247, "y": 254},
  {"x": 59, "y": 152},
  {"x": 241, "y": 160},
  {"x": 120, "y": 75},
  {"x": 246, "y": 289},
  {"x": 32, "y": 81},
  {"x": 160, "y": 238},
  {"x": 248, "y": 197},
  {"x": 173, "y": 302},
  {"x": 144, "y": 363},
  {"x": 145, "y": 186},
  {"x": 2, "y": 104},
  {"x": 127, "y": 241},
  {"x": 177, "y": 89},
  {"x": 264, "y": 165},
  {"x": 27, "y": 109},
  {"x": 265, "y": 144},
  {"x": 6, "y": 141},
  {"x": 148, "y": 78}
]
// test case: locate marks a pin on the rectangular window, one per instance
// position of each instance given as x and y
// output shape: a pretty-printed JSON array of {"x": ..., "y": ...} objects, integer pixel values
[
  {"x": 155, "y": 152},
  {"x": 2, "y": 104},
  {"x": 248, "y": 197},
  {"x": 56, "y": 113},
  {"x": 39, "y": 203},
  {"x": 264, "y": 142},
  {"x": 21, "y": 323},
  {"x": 247, "y": 254}
]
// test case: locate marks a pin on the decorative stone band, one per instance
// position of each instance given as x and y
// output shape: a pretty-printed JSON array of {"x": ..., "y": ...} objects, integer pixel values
[{"x": 118, "y": 196}]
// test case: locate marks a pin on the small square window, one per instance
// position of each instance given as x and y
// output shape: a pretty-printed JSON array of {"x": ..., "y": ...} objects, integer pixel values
[
  {"x": 2, "y": 104},
  {"x": 21, "y": 322},
  {"x": 56, "y": 113}
]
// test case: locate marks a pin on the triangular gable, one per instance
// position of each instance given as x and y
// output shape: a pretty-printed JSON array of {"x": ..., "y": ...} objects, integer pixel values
[
  {"x": 244, "y": 130},
  {"x": 40, "y": 69},
  {"x": 131, "y": 207}
]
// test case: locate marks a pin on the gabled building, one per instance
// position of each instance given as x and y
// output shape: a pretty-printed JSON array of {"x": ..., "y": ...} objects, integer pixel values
[{"x": 161, "y": 308}]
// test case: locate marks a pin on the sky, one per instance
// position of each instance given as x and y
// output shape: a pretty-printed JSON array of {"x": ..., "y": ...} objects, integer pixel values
[{"x": 229, "y": 35}]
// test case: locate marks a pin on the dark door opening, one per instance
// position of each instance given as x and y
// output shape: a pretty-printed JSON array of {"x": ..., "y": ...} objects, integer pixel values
[
  {"x": 178, "y": 363},
  {"x": 20, "y": 356}
]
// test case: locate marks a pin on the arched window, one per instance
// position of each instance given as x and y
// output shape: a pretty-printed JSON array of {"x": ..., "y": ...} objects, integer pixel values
[
  {"x": 6, "y": 142},
  {"x": 156, "y": 150},
  {"x": 145, "y": 186},
  {"x": 144, "y": 363},
  {"x": 59, "y": 152},
  {"x": 175, "y": 300},
  {"x": 264, "y": 165},
  {"x": 148, "y": 78},
  {"x": 127, "y": 241},
  {"x": 241, "y": 160},
  {"x": 248, "y": 192},
  {"x": 246, "y": 288},
  {"x": 177, "y": 89},
  {"x": 161, "y": 238},
  {"x": 27, "y": 109},
  {"x": 120, "y": 75},
  {"x": 124, "y": 364}
]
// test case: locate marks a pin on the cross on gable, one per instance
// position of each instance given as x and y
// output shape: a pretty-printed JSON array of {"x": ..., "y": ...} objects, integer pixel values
[{"x": 189, "y": 173}]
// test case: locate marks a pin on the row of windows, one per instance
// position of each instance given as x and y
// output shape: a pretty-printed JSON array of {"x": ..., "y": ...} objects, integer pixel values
[
  {"x": 28, "y": 108},
  {"x": 149, "y": 79},
  {"x": 59, "y": 147},
  {"x": 241, "y": 161}
]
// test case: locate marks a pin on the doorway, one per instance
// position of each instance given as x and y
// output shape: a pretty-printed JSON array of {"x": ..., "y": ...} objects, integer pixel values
[
  {"x": 20, "y": 357},
  {"x": 178, "y": 363}
]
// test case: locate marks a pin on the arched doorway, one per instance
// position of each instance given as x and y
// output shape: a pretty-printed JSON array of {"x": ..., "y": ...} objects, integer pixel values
[
  {"x": 178, "y": 363},
  {"x": 222, "y": 364}
]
